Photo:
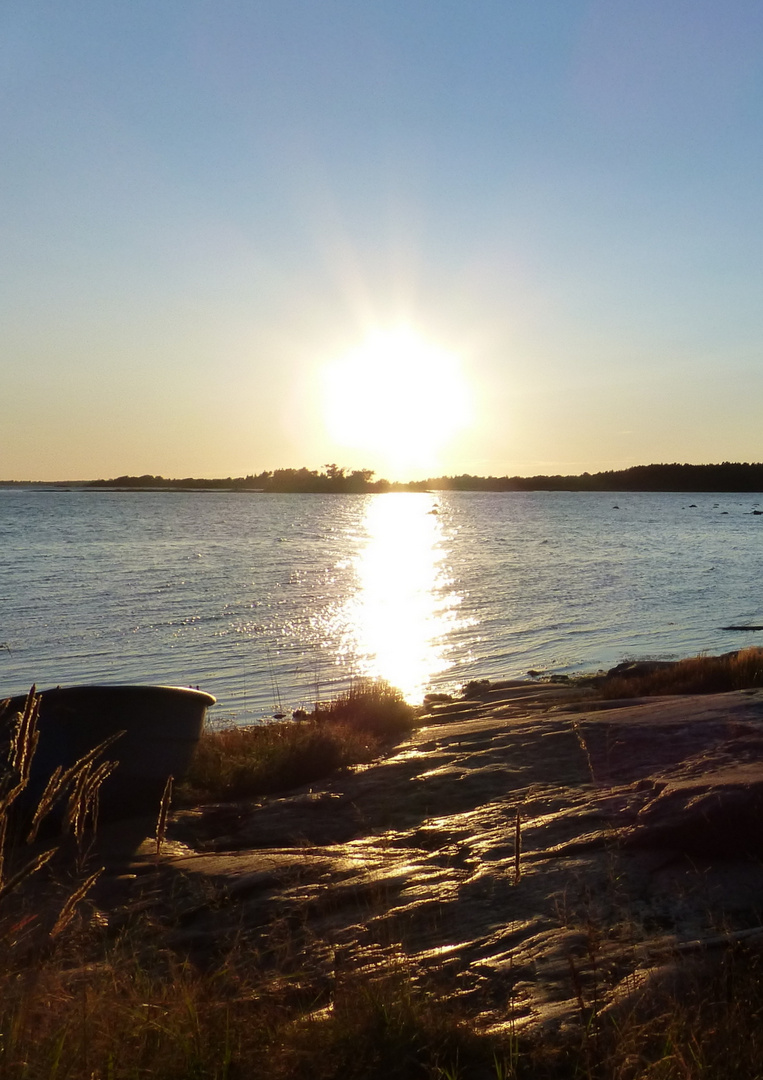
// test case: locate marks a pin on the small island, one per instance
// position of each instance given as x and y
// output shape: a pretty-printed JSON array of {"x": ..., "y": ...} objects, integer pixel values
[{"x": 727, "y": 476}]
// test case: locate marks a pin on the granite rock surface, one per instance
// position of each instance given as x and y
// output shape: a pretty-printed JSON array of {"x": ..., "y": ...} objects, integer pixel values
[{"x": 536, "y": 851}]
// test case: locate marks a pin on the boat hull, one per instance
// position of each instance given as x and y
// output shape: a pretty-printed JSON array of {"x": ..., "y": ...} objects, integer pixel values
[{"x": 157, "y": 729}]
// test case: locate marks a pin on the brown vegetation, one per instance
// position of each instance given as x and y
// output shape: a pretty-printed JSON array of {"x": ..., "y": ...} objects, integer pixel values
[
  {"x": 244, "y": 762},
  {"x": 695, "y": 675},
  {"x": 102, "y": 1006}
]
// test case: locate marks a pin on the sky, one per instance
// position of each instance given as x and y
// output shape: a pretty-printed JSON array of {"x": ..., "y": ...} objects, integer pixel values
[{"x": 422, "y": 237}]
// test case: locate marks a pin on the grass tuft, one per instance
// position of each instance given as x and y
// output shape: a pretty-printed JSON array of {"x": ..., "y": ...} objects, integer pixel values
[
  {"x": 695, "y": 675},
  {"x": 372, "y": 706},
  {"x": 245, "y": 762}
]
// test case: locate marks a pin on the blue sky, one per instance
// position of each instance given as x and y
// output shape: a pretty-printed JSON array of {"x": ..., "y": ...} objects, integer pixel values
[{"x": 206, "y": 205}]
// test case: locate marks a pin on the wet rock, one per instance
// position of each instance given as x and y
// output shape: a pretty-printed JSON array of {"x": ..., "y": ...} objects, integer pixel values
[{"x": 630, "y": 669}]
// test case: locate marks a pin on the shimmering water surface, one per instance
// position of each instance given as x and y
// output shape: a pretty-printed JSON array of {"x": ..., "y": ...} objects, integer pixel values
[{"x": 272, "y": 601}]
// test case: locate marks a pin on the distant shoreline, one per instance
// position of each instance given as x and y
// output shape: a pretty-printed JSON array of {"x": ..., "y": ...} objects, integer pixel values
[{"x": 739, "y": 477}]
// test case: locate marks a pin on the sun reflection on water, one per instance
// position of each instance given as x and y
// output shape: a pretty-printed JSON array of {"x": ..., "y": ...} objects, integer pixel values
[{"x": 398, "y": 622}]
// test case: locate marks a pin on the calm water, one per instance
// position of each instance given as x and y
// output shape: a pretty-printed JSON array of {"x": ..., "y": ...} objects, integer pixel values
[{"x": 276, "y": 600}]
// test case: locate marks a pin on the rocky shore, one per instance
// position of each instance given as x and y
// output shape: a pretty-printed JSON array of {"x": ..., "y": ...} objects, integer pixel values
[{"x": 537, "y": 851}]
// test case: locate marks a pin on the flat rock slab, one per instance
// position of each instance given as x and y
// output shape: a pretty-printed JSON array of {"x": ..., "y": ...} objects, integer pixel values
[{"x": 504, "y": 848}]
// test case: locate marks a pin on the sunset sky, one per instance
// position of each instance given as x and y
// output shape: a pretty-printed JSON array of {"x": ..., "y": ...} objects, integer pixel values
[{"x": 415, "y": 236}]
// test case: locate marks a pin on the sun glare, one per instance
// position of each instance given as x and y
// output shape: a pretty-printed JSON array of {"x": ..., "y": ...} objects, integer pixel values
[{"x": 397, "y": 398}]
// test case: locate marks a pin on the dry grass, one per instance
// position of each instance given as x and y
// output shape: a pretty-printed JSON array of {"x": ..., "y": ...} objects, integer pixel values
[
  {"x": 128, "y": 1008},
  {"x": 370, "y": 705},
  {"x": 126, "y": 1014},
  {"x": 695, "y": 675},
  {"x": 706, "y": 1026},
  {"x": 71, "y": 794},
  {"x": 260, "y": 759}
]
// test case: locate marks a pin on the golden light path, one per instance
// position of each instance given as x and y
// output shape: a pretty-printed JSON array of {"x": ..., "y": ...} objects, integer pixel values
[{"x": 398, "y": 623}]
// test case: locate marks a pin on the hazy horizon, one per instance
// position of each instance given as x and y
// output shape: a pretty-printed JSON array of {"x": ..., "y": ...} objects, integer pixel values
[
  {"x": 726, "y": 466},
  {"x": 500, "y": 239}
]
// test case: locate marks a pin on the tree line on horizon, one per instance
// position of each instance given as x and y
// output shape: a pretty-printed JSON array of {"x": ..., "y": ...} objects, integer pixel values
[{"x": 727, "y": 476}]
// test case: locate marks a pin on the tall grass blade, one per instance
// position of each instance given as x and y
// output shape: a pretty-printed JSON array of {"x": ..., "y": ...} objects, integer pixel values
[
  {"x": 67, "y": 911},
  {"x": 26, "y": 871},
  {"x": 164, "y": 810}
]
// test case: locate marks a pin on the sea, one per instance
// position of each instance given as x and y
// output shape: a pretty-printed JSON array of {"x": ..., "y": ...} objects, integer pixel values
[{"x": 272, "y": 602}]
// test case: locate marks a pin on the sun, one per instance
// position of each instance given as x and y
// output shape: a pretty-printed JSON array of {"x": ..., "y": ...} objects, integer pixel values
[{"x": 398, "y": 398}]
